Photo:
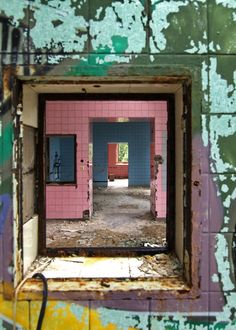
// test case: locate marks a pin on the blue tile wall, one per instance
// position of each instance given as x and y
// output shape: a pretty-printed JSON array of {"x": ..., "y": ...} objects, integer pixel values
[{"x": 137, "y": 134}]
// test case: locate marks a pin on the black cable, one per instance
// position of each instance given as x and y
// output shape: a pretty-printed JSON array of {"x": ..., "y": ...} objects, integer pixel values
[{"x": 45, "y": 297}]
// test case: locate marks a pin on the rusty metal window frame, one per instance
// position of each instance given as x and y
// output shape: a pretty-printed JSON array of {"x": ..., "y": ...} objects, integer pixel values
[
  {"x": 189, "y": 217},
  {"x": 109, "y": 251}
]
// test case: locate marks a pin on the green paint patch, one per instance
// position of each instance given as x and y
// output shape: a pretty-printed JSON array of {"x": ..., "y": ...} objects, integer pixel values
[
  {"x": 187, "y": 35},
  {"x": 6, "y": 186},
  {"x": 97, "y": 64},
  {"x": 220, "y": 325},
  {"x": 103, "y": 49},
  {"x": 172, "y": 32},
  {"x": 83, "y": 70},
  {"x": 226, "y": 68},
  {"x": 172, "y": 325},
  {"x": 120, "y": 44},
  {"x": 179, "y": 322},
  {"x": 6, "y": 143},
  {"x": 222, "y": 28},
  {"x": 227, "y": 147},
  {"x": 222, "y": 128},
  {"x": 80, "y": 8},
  {"x": 91, "y": 69},
  {"x": 57, "y": 22}
]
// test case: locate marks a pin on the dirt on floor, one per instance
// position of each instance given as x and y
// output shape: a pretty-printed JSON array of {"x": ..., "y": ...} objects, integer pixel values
[{"x": 121, "y": 218}]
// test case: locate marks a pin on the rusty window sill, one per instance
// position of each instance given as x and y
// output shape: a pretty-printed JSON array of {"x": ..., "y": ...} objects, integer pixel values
[
  {"x": 63, "y": 289},
  {"x": 96, "y": 277}
]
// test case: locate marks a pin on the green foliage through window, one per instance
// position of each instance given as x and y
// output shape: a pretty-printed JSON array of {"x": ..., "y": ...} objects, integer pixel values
[{"x": 123, "y": 152}]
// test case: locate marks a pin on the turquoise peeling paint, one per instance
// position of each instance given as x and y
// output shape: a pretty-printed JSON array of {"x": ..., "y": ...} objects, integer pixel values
[
  {"x": 169, "y": 30},
  {"x": 205, "y": 131},
  {"x": 159, "y": 22},
  {"x": 130, "y": 28},
  {"x": 221, "y": 126},
  {"x": 71, "y": 33},
  {"x": 77, "y": 310},
  {"x": 222, "y": 99},
  {"x": 14, "y": 9},
  {"x": 124, "y": 320},
  {"x": 227, "y": 3},
  {"x": 222, "y": 94},
  {"x": 223, "y": 263}
]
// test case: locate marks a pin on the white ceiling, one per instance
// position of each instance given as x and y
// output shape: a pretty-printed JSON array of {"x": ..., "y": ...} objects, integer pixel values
[{"x": 100, "y": 87}]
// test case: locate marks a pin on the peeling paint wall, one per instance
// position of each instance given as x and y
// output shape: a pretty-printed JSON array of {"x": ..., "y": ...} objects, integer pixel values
[{"x": 104, "y": 38}]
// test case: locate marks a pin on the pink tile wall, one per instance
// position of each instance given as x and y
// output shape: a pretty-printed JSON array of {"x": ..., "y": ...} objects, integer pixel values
[{"x": 73, "y": 117}]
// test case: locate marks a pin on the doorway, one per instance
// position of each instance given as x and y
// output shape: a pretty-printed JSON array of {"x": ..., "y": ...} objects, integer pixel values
[{"x": 118, "y": 164}]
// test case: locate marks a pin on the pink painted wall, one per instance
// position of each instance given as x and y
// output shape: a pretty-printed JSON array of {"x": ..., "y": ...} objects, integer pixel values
[{"x": 75, "y": 117}]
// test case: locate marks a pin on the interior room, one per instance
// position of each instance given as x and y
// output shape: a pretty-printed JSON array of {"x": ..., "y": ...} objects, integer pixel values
[{"x": 104, "y": 202}]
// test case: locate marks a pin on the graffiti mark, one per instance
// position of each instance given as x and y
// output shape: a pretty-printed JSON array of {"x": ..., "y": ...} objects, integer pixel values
[
  {"x": 6, "y": 141},
  {"x": 13, "y": 43},
  {"x": 5, "y": 204}
]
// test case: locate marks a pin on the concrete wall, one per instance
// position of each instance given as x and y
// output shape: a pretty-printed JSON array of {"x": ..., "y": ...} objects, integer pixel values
[{"x": 192, "y": 38}]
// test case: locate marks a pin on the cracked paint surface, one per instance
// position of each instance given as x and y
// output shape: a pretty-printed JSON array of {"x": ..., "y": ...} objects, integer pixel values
[
  {"x": 222, "y": 94},
  {"x": 168, "y": 23},
  {"x": 71, "y": 38},
  {"x": 124, "y": 23},
  {"x": 61, "y": 22},
  {"x": 14, "y": 9}
]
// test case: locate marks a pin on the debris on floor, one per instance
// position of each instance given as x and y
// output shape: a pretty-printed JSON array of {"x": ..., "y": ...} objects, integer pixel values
[
  {"x": 121, "y": 218},
  {"x": 162, "y": 264}
]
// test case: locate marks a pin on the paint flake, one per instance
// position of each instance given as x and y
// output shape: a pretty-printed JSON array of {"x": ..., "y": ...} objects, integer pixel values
[
  {"x": 223, "y": 263},
  {"x": 226, "y": 3},
  {"x": 14, "y": 9},
  {"x": 215, "y": 278},
  {"x": 222, "y": 95},
  {"x": 219, "y": 127},
  {"x": 199, "y": 48},
  {"x": 159, "y": 22},
  {"x": 98, "y": 13},
  {"x": 124, "y": 20},
  {"x": 45, "y": 35}
]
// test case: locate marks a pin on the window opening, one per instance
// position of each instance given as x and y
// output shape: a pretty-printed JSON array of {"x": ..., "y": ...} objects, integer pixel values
[
  {"x": 118, "y": 170},
  {"x": 100, "y": 212},
  {"x": 168, "y": 160},
  {"x": 123, "y": 152},
  {"x": 61, "y": 159}
]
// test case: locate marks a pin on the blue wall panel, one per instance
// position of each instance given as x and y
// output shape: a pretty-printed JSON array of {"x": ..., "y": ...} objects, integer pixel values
[{"x": 137, "y": 134}]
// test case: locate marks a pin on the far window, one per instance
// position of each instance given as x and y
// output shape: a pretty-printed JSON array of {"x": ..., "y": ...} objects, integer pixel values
[
  {"x": 123, "y": 152},
  {"x": 61, "y": 159}
]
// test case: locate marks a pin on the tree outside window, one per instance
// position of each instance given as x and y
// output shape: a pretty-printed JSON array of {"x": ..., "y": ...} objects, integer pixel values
[{"x": 123, "y": 153}]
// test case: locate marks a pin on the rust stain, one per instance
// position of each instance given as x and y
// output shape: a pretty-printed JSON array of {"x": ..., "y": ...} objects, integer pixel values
[
  {"x": 7, "y": 73},
  {"x": 93, "y": 289}
]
